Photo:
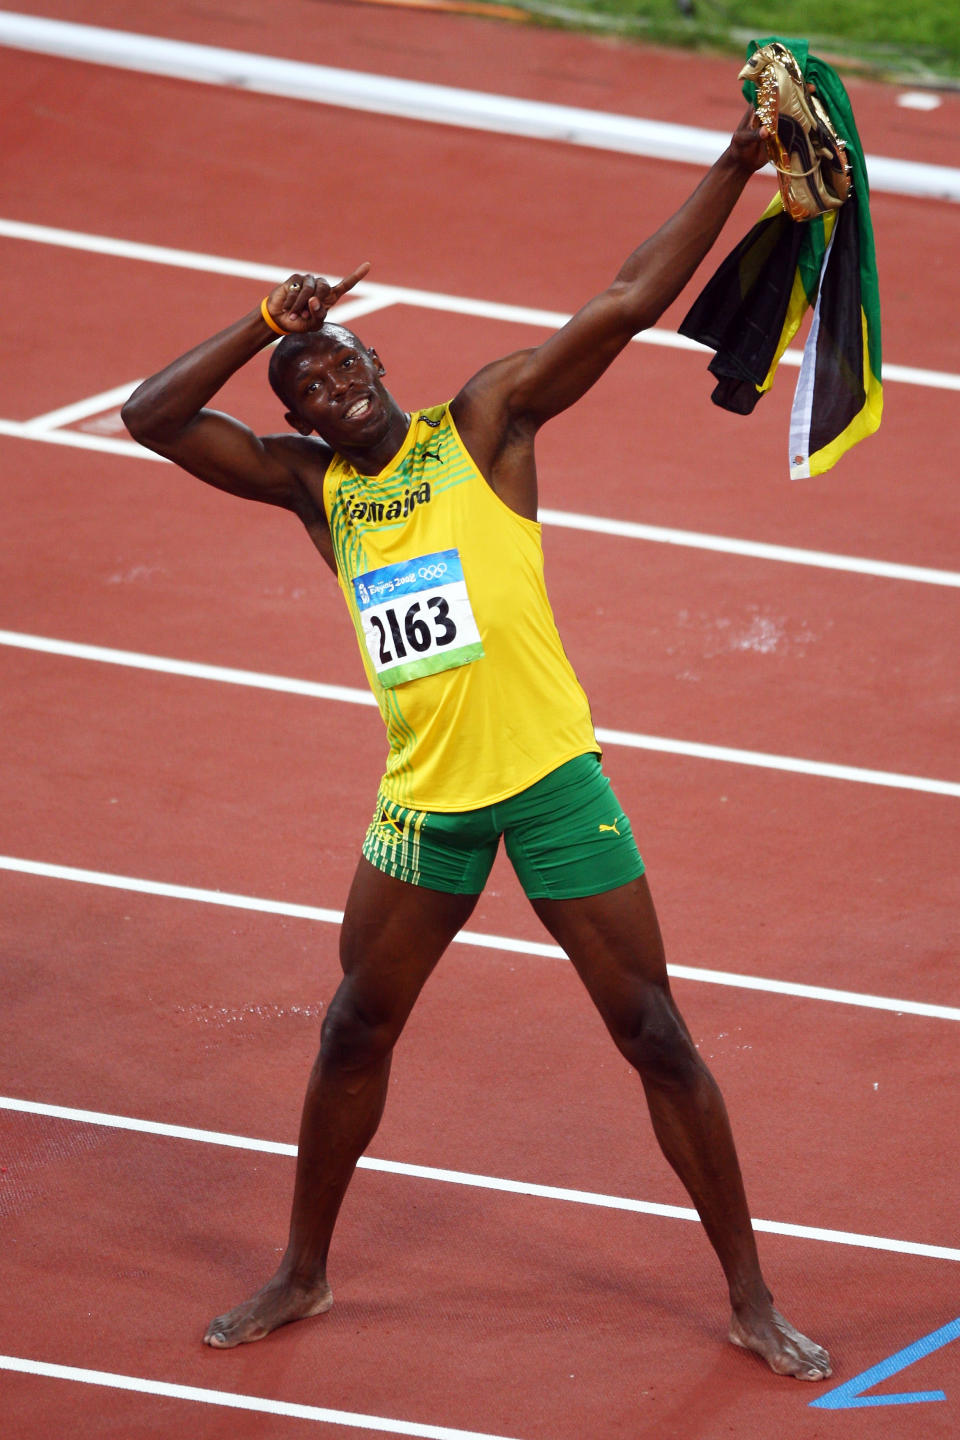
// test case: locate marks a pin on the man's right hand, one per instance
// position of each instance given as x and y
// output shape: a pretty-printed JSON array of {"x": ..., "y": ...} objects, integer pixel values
[
  {"x": 302, "y": 302},
  {"x": 169, "y": 412}
]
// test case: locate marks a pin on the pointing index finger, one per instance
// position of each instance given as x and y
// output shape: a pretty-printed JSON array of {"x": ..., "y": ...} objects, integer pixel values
[{"x": 348, "y": 282}]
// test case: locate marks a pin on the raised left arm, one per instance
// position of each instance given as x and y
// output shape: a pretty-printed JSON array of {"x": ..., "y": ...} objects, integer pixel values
[{"x": 530, "y": 387}]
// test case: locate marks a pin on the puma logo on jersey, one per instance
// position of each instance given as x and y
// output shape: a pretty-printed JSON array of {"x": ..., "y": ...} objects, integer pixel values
[
  {"x": 431, "y": 455},
  {"x": 612, "y": 827}
]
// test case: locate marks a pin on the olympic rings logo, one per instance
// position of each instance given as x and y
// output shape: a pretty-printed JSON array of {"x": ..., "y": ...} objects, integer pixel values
[{"x": 432, "y": 572}]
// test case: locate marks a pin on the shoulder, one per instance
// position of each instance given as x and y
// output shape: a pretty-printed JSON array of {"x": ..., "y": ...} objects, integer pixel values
[
  {"x": 493, "y": 387},
  {"x": 489, "y": 414},
  {"x": 487, "y": 410},
  {"x": 498, "y": 432}
]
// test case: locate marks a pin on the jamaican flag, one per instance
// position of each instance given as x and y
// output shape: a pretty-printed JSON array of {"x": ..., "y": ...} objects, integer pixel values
[{"x": 753, "y": 306}]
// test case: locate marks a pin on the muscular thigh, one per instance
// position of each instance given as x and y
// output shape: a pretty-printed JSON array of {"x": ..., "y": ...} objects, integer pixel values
[
  {"x": 392, "y": 936},
  {"x": 613, "y": 940}
]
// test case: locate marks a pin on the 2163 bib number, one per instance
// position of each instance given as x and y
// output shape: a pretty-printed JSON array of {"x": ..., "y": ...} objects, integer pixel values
[
  {"x": 419, "y": 634},
  {"x": 417, "y": 618}
]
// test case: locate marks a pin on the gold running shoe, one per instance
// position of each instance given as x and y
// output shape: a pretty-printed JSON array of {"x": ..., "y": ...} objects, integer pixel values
[{"x": 803, "y": 146}]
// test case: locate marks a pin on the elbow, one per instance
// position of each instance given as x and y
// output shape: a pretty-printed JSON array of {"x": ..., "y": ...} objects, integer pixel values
[
  {"x": 133, "y": 421},
  {"x": 636, "y": 307},
  {"x": 135, "y": 415},
  {"x": 643, "y": 315},
  {"x": 140, "y": 414}
]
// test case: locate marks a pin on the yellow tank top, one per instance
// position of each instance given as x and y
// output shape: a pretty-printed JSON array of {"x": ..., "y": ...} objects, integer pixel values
[{"x": 444, "y": 583}]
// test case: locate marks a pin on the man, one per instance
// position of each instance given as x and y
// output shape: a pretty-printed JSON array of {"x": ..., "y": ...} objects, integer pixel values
[{"x": 429, "y": 522}]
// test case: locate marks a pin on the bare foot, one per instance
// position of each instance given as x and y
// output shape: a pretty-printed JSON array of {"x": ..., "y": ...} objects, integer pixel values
[
  {"x": 785, "y": 1350},
  {"x": 278, "y": 1303}
]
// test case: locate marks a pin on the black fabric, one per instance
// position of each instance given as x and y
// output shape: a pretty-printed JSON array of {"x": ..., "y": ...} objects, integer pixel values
[
  {"x": 741, "y": 310},
  {"x": 838, "y": 393},
  {"x": 738, "y": 396}
]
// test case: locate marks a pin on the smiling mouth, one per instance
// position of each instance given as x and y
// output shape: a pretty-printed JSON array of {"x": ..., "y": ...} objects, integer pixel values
[{"x": 357, "y": 409}]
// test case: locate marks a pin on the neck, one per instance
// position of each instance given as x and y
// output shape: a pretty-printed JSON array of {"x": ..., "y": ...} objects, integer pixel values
[{"x": 374, "y": 458}]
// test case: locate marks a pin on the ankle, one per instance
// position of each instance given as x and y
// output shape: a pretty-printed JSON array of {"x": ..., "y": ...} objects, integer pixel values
[
  {"x": 301, "y": 1275},
  {"x": 750, "y": 1297}
]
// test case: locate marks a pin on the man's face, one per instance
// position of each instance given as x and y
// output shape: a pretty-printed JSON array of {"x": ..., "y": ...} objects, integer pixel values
[{"x": 334, "y": 388}]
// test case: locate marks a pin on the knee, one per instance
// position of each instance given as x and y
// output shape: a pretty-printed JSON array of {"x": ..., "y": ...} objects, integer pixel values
[
  {"x": 351, "y": 1038},
  {"x": 652, "y": 1036}
]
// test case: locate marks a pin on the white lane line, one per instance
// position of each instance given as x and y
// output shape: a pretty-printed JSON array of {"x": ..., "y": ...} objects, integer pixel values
[
  {"x": 907, "y": 375},
  {"x": 753, "y": 549},
  {"x": 77, "y": 440},
  {"x": 232, "y": 1401},
  {"x": 479, "y": 1182},
  {"x": 509, "y": 944},
  {"x": 224, "y": 675},
  {"x": 659, "y": 744},
  {"x": 394, "y": 294},
  {"x": 379, "y": 297},
  {"x": 80, "y": 409},
  {"x": 789, "y": 764},
  {"x": 416, "y": 100},
  {"x": 569, "y": 520}
]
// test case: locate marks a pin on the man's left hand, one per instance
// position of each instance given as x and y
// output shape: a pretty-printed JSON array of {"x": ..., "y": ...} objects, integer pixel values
[{"x": 748, "y": 144}]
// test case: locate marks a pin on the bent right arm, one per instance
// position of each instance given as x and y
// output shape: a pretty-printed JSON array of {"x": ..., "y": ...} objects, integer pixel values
[{"x": 168, "y": 413}]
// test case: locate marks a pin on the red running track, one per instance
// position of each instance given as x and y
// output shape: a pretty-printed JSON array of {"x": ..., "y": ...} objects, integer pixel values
[{"x": 458, "y": 1307}]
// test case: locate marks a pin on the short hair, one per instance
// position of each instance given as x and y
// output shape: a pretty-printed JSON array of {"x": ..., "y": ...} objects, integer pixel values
[{"x": 292, "y": 347}]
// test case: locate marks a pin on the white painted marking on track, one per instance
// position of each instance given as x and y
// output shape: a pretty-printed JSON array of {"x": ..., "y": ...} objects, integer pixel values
[
  {"x": 80, "y": 409},
  {"x": 479, "y": 1182},
  {"x": 75, "y": 440},
  {"x": 511, "y": 945},
  {"x": 919, "y": 100},
  {"x": 394, "y": 294},
  {"x": 752, "y": 549},
  {"x": 380, "y": 298},
  {"x": 417, "y": 100},
  {"x": 789, "y": 764},
  {"x": 595, "y": 524},
  {"x": 658, "y": 743},
  {"x": 232, "y": 1401},
  {"x": 224, "y": 675}
]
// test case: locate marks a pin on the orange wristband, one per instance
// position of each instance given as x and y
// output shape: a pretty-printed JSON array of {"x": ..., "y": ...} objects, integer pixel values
[{"x": 269, "y": 318}]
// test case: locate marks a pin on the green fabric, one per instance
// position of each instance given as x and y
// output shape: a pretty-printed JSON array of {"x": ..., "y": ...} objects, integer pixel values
[
  {"x": 751, "y": 308},
  {"x": 833, "y": 96},
  {"x": 566, "y": 836}
]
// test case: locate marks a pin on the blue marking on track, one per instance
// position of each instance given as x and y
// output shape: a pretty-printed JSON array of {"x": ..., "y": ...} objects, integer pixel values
[{"x": 849, "y": 1395}]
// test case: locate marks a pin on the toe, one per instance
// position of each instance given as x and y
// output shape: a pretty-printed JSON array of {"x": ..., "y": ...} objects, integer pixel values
[
  {"x": 216, "y": 1338},
  {"x": 220, "y": 1334}
]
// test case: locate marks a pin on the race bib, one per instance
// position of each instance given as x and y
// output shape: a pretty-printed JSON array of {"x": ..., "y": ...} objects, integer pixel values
[{"x": 417, "y": 618}]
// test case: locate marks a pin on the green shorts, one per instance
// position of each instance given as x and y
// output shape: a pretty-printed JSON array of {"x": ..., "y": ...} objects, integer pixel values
[{"x": 566, "y": 837}]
